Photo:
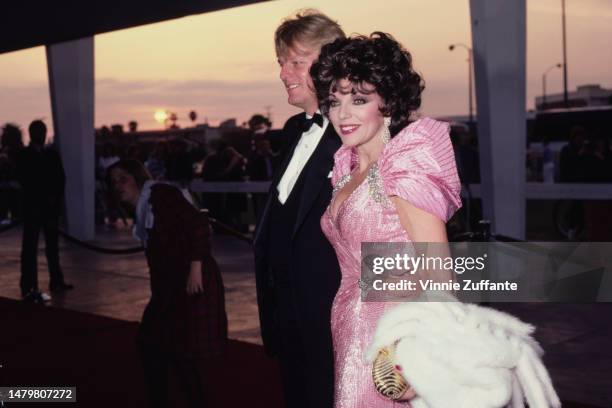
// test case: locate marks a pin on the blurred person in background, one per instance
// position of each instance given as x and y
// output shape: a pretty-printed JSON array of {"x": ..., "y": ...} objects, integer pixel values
[
  {"x": 135, "y": 152},
  {"x": 42, "y": 178},
  {"x": 597, "y": 163},
  {"x": 225, "y": 164},
  {"x": 260, "y": 167},
  {"x": 548, "y": 162},
  {"x": 11, "y": 145},
  {"x": 156, "y": 164},
  {"x": 110, "y": 206},
  {"x": 570, "y": 161},
  {"x": 107, "y": 158},
  {"x": 259, "y": 125},
  {"x": 466, "y": 155},
  {"x": 178, "y": 162}
]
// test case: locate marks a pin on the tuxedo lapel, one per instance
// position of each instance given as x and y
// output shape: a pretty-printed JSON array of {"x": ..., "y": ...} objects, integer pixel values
[
  {"x": 295, "y": 138},
  {"x": 293, "y": 133},
  {"x": 317, "y": 170}
]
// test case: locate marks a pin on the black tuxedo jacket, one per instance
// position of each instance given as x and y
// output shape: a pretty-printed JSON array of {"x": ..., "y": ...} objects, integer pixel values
[
  {"x": 315, "y": 274},
  {"x": 42, "y": 178}
]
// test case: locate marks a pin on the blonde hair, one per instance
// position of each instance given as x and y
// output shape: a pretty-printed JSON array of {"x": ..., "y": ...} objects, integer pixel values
[{"x": 310, "y": 28}]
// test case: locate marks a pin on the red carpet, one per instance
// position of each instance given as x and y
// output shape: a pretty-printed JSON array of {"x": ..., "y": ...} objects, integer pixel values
[{"x": 46, "y": 346}]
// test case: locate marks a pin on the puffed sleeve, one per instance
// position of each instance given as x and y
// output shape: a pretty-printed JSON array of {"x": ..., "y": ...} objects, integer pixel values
[{"x": 418, "y": 165}]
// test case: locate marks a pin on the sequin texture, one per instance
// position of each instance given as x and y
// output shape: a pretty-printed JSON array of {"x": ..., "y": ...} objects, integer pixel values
[
  {"x": 341, "y": 183},
  {"x": 376, "y": 187},
  {"x": 417, "y": 165}
]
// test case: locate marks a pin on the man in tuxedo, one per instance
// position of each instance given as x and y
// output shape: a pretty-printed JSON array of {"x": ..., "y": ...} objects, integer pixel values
[
  {"x": 297, "y": 272},
  {"x": 42, "y": 180}
]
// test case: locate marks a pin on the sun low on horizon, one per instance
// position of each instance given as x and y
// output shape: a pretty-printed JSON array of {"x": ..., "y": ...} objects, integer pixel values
[
  {"x": 222, "y": 64},
  {"x": 160, "y": 116}
]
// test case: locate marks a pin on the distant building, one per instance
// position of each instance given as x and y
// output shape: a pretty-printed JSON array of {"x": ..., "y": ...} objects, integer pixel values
[
  {"x": 228, "y": 124},
  {"x": 583, "y": 96},
  {"x": 199, "y": 135}
]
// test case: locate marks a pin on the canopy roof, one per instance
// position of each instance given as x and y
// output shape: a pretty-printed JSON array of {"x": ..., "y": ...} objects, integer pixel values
[{"x": 28, "y": 24}]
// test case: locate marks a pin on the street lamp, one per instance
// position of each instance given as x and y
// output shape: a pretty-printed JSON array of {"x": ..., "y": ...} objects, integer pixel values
[
  {"x": 558, "y": 65},
  {"x": 565, "y": 97},
  {"x": 469, "y": 60}
]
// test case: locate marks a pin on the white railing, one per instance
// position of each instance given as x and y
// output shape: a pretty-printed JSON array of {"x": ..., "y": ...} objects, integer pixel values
[
  {"x": 558, "y": 191},
  {"x": 199, "y": 186},
  {"x": 533, "y": 191}
]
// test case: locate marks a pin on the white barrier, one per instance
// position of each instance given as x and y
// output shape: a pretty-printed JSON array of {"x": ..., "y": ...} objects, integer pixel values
[
  {"x": 199, "y": 186},
  {"x": 533, "y": 191},
  {"x": 557, "y": 191}
]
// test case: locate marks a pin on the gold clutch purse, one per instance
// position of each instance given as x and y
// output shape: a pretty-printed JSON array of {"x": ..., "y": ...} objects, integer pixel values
[{"x": 387, "y": 378}]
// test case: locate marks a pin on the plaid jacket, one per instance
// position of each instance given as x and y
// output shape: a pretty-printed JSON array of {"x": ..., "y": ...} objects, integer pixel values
[{"x": 188, "y": 325}]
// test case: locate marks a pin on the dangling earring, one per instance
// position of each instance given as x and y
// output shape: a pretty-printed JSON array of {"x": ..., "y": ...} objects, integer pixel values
[{"x": 386, "y": 133}]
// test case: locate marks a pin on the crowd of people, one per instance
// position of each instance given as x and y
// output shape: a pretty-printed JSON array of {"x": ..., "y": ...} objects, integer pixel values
[
  {"x": 252, "y": 159},
  {"x": 586, "y": 158}
]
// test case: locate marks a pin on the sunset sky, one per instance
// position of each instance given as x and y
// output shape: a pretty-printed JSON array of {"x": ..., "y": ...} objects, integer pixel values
[{"x": 222, "y": 64}]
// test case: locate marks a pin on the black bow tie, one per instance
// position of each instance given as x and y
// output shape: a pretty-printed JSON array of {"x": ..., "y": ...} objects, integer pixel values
[{"x": 307, "y": 124}]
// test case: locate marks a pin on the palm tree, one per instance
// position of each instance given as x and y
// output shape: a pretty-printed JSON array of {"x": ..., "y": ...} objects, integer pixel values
[
  {"x": 193, "y": 116},
  {"x": 133, "y": 126}
]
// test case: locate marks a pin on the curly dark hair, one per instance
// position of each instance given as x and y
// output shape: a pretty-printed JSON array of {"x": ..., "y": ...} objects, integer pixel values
[{"x": 377, "y": 60}]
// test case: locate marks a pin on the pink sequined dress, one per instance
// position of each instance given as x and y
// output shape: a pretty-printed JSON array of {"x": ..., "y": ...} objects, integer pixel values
[{"x": 418, "y": 165}]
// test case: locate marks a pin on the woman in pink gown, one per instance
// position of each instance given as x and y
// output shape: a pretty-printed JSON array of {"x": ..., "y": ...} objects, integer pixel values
[{"x": 393, "y": 182}]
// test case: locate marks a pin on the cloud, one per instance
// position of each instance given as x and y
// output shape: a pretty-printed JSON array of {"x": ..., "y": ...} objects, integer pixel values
[
  {"x": 118, "y": 101},
  {"x": 121, "y": 101},
  {"x": 21, "y": 104}
]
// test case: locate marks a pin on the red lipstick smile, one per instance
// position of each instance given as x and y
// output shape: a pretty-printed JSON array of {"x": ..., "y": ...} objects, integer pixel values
[{"x": 348, "y": 129}]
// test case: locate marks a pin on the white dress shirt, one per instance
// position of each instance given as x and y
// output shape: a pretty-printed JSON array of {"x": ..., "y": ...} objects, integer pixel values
[{"x": 304, "y": 149}]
